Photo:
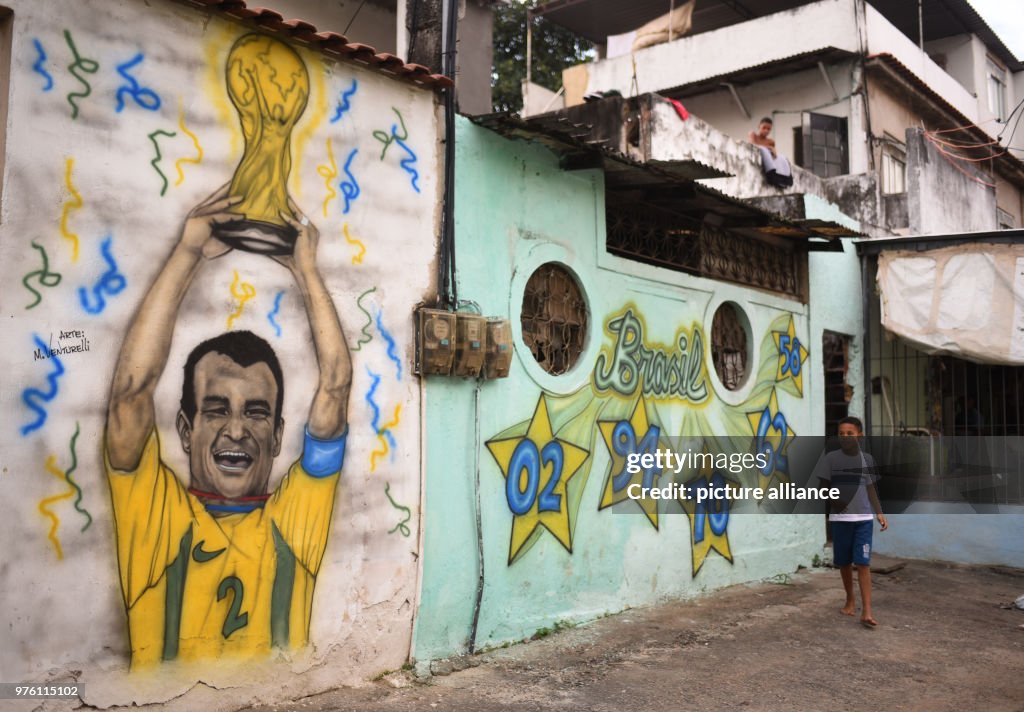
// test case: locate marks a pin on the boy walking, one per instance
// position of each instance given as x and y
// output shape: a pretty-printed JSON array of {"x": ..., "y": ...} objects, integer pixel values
[{"x": 852, "y": 471}]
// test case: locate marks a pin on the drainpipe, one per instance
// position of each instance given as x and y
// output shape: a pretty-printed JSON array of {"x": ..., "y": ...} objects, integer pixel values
[
  {"x": 866, "y": 292},
  {"x": 447, "y": 291},
  {"x": 529, "y": 61},
  {"x": 479, "y": 523}
]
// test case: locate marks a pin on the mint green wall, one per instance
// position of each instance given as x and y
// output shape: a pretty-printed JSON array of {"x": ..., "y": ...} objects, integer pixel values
[
  {"x": 516, "y": 210},
  {"x": 836, "y": 305}
]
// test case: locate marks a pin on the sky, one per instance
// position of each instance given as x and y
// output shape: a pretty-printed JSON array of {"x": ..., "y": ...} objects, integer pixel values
[{"x": 1006, "y": 18}]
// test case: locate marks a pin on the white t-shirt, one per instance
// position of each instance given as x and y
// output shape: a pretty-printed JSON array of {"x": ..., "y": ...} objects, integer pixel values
[{"x": 851, "y": 474}]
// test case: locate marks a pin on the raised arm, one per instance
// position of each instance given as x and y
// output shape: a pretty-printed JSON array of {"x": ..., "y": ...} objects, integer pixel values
[
  {"x": 328, "y": 414},
  {"x": 131, "y": 413}
]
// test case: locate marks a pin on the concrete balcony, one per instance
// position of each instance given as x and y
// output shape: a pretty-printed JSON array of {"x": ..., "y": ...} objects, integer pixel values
[
  {"x": 761, "y": 49},
  {"x": 826, "y": 26}
]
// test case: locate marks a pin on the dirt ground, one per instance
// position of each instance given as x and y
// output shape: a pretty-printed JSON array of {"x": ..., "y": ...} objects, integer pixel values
[{"x": 948, "y": 640}]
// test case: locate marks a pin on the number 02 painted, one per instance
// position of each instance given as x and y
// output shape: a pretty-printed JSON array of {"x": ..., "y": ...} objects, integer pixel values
[{"x": 528, "y": 458}]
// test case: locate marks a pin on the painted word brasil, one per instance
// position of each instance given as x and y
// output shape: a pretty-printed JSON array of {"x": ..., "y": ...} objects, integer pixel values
[{"x": 673, "y": 373}]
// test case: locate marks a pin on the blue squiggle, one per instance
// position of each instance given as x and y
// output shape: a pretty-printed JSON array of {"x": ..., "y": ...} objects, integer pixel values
[
  {"x": 274, "y": 312},
  {"x": 33, "y": 397},
  {"x": 369, "y": 399},
  {"x": 144, "y": 97},
  {"x": 349, "y": 188},
  {"x": 406, "y": 163},
  {"x": 391, "y": 344},
  {"x": 38, "y": 66},
  {"x": 344, "y": 105},
  {"x": 110, "y": 283}
]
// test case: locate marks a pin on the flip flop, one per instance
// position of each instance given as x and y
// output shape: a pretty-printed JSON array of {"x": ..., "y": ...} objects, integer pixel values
[{"x": 869, "y": 623}]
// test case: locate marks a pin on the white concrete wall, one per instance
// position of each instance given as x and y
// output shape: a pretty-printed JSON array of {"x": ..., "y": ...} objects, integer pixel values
[
  {"x": 943, "y": 197},
  {"x": 884, "y": 37},
  {"x": 784, "y": 99},
  {"x": 710, "y": 54},
  {"x": 696, "y": 139},
  {"x": 960, "y": 62},
  {"x": 77, "y": 178}
]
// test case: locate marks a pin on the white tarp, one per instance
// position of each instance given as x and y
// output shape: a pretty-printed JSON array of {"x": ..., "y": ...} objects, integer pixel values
[{"x": 966, "y": 300}]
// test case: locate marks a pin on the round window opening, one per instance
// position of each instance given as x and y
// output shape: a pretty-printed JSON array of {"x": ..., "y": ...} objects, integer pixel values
[
  {"x": 554, "y": 318},
  {"x": 729, "y": 350}
]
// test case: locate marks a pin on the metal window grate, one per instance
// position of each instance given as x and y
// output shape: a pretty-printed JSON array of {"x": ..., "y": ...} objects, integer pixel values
[
  {"x": 646, "y": 233},
  {"x": 554, "y": 318},
  {"x": 729, "y": 346},
  {"x": 838, "y": 393}
]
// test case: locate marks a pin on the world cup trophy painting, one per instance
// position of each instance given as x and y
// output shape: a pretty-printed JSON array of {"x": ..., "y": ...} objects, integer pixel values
[{"x": 269, "y": 86}]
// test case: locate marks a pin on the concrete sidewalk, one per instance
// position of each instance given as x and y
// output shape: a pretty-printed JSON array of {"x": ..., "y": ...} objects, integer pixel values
[{"x": 946, "y": 641}]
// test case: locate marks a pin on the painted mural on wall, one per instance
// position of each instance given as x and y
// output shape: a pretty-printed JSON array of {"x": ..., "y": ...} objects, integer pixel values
[
  {"x": 164, "y": 318},
  {"x": 635, "y": 384}
]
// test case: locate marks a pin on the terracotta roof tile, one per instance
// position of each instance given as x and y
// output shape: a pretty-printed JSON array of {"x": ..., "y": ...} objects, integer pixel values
[{"x": 330, "y": 43}]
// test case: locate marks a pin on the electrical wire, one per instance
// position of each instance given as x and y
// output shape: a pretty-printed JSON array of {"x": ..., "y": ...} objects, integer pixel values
[
  {"x": 1015, "y": 124},
  {"x": 1017, "y": 108},
  {"x": 354, "y": 16},
  {"x": 948, "y": 157},
  {"x": 960, "y": 144}
]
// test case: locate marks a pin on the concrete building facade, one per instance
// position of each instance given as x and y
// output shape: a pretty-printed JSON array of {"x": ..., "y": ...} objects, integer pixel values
[{"x": 903, "y": 118}]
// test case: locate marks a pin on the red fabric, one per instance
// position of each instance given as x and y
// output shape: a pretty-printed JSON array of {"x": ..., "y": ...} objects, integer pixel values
[{"x": 680, "y": 109}]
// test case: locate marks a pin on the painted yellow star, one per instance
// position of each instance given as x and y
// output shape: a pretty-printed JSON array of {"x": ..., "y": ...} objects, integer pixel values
[
  {"x": 772, "y": 436},
  {"x": 709, "y": 518},
  {"x": 622, "y": 437},
  {"x": 792, "y": 355},
  {"x": 536, "y": 468}
]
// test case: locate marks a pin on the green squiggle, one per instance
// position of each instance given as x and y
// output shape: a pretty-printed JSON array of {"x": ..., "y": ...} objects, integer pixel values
[
  {"x": 45, "y": 276},
  {"x": 78, "y": 490},
  {"x": 402, "y": 526},
  {"x": 156, "y": 160},
  {"x": 366, "y": 337},
  {"x": 89, "y": 66}
]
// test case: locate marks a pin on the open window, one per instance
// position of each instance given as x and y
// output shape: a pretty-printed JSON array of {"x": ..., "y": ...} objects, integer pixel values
[
  {"x": 995, "y": 83},
  {"x": 821, "y": 145},
  {"x": 894, "y": 167}
]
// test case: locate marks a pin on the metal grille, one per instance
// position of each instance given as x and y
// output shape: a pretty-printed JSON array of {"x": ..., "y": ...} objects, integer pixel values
[
  {"x": 964, "y": 421},
  {"x": 654, "y": 236},
  {"x": 838, "y": 393},
  {"x": 660, "y": 237},
  {"x": 554, "y": 318},
  {"x": 725, "y": 255},
  {"x": 729, "y": 346}
]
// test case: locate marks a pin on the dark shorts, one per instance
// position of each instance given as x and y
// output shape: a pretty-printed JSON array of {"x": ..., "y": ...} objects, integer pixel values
[{"x": 851, "y": 542}]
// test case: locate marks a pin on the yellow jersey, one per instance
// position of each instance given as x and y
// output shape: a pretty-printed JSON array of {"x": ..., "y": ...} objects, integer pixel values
[{"x": 197, "y": 586}]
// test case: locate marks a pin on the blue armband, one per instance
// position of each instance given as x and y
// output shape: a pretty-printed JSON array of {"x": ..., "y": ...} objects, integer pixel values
[{"x": 322, "y": 458}]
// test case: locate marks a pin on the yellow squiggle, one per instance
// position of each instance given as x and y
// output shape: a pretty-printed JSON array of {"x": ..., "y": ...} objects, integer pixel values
[
  {"x": 221, "y": 37},
  {"x": 358, "y": 258},
  {"x": 246, "y": 293},
  {"x": 376, "y": 454},
  {"x": 77, "y": 204},
  {"x": 195, "y": 142},
  {"x": 51, "y": 467},
  {"x": 329, "y": 173},
  {"x": 315, "y": 115}
]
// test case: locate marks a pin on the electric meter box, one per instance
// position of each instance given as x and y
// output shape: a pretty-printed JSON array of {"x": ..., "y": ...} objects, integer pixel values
[
  {"x": 470, "y": 343},
  {"x": 498, "y": 357},
  {"x": 435, "y": 343}
]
